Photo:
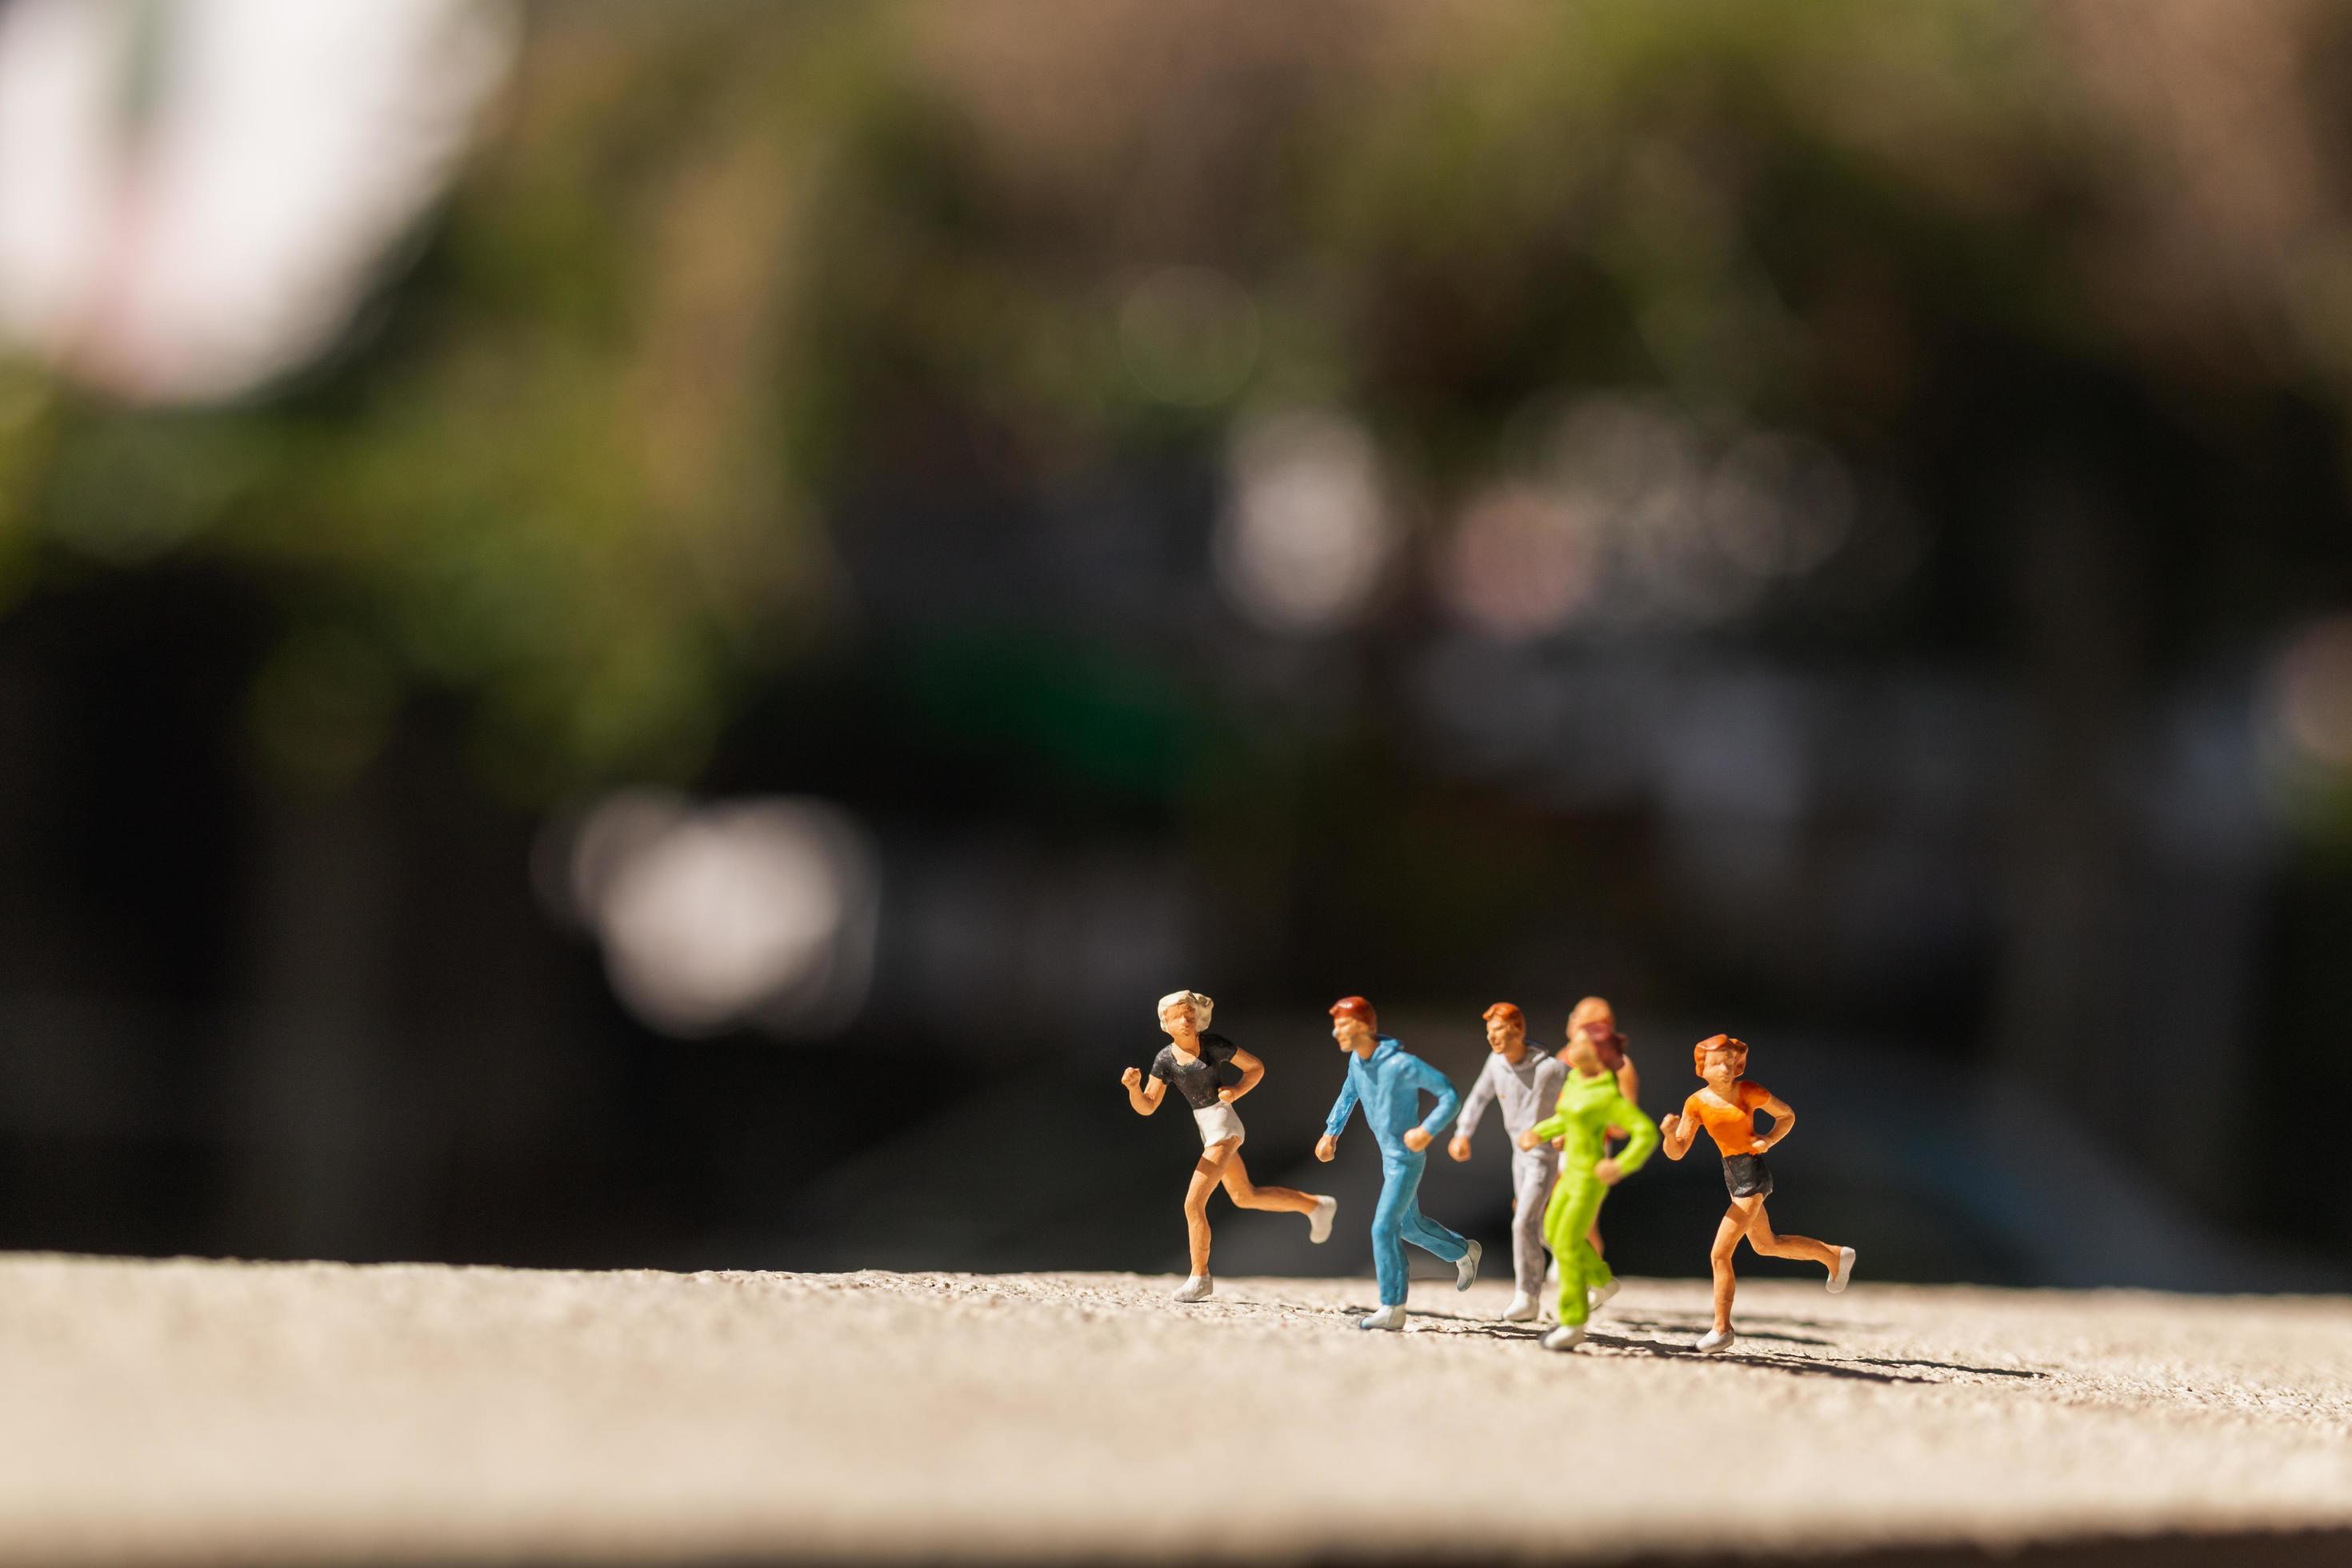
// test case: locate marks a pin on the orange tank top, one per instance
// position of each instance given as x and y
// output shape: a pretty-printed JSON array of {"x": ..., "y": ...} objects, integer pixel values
[{"x": 1733, "y": 1130}]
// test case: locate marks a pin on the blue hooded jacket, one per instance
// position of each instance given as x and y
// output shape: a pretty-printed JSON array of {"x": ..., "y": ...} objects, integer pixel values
[{"x": 1389, "y": 1083}]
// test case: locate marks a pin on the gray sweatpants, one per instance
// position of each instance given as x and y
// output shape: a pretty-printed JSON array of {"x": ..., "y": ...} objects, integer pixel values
[{"x": 1532, "y": 1171}]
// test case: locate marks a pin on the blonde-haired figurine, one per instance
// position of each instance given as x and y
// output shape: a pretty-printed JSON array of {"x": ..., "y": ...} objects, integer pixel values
[
  {"x": 1210, "y": 1072},
  {"x": 1726, "y": 1107}
]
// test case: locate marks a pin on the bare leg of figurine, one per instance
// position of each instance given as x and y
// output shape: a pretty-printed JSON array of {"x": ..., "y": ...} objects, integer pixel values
[
  {"x": 1762, "y": 1237},
  {"x": 1719, "y": 1261},
  {"x": 1247, "y": 1196},
  {"x": 1746, "y": 1218},
  {"x": 1207, "y": 1176}
]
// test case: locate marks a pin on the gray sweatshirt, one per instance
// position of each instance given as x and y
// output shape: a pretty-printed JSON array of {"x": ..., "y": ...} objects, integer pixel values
[{"x": 1528, "y": 1093}]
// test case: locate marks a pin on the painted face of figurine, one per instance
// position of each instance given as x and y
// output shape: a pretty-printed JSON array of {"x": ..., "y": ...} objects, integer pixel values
[
  {"x": 1177, "y": 1023},
  {"x": 1506, "y": 1037},
  {"x": 1722, "y": 1064},
  {"x": 1353, "y": 1034},
  {"x": 1581, "y": 1055}
]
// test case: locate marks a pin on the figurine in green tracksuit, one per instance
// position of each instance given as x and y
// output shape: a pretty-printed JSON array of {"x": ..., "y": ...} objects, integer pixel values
[{"x": 1590, "y": 1104}]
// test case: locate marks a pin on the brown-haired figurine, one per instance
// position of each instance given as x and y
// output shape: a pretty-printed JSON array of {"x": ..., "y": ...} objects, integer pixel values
[
  {"x": 1596, "y": 1021},
  {"x": 1210, "y": 1072},
  {"x": 1726, "y": 1106},
  {"x": 1389, "y": 1080}
]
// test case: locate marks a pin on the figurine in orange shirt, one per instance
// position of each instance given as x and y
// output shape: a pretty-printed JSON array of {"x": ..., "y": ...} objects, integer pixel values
[{"x": 1726, "y": 1106}]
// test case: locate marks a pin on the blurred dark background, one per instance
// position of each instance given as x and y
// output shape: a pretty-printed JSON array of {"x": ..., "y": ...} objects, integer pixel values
[{"x": 643, "y": 635}]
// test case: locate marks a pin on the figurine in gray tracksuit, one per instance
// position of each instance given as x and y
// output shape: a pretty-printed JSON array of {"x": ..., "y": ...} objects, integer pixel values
[{"x": 1525, "y": 1082}]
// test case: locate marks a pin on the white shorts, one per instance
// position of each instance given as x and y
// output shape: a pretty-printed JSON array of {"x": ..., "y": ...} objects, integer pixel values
[{"x": 1219, "y": 1123}]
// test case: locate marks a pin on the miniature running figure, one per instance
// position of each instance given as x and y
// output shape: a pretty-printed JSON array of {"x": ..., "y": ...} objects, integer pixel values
[
  {"x": 1596, "y": 1020},
  {"x": 1210, "y": 1072},
  {"x": 1390, "y": 1082},
  {"x": 1726, "y": 1107},
  {"x": 1592, "y": 1105},
  {"x": 1525, "y": 1083}
]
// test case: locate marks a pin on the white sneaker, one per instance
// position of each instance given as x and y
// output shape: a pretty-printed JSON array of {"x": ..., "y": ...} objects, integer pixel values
[
  {"x": 1386, "y": 1318},
  {"x": 1318, "y": 1222},
  {"x": 1566, "y": 1337},
  {"x": 1601, "y": 1298},
  {"x": 1715, "y": 1340},
  {"x": 1522, "y": 1308},
  {"x": 1843, "y": 1271},
  {"x": 1193, "y": 1288},
  {"x": 1466, "y": 1270}
]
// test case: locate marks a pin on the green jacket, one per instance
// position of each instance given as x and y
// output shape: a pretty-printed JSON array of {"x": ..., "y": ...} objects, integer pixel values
[{"x": 1588, "y": 1107}]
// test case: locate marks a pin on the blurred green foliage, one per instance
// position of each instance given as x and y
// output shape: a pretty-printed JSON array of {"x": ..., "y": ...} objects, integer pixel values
[{"x": 712, "y": 267}]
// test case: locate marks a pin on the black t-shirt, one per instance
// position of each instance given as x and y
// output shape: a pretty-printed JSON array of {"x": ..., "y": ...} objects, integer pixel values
[{"x": 1199, "y": 1080}]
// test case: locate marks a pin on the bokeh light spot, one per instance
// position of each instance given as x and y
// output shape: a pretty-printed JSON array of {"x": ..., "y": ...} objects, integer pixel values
[
  {"x": 1307, "y": 532},
  {"x": 754, "y": 912}
]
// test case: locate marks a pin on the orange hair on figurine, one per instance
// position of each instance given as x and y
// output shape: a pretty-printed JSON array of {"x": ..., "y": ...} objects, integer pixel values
[
  {"x": 1591, "y": 1010},
  {"x": 1359, "y": 1009},
  {"x": 1509, "y": 1013},
  {"x": 1739, "y": 1048}
]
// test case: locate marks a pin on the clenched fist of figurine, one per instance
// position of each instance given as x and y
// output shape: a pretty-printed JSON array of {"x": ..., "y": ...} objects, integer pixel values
[
  {"x": 1608, "y": 1173},
  {"x": 1459, "y": 1147},
  {"x": 1528, "y": 1140},
  {"x": 1758, "y": 1146},
  {"x": 1417, "y": 1139},
  {"x": 1667, "y": 1125},
  {"x": 1327, "y": 1147},
  {"x": 1132, "y": 1077},
  {"x": 1227, "y": 1096}
]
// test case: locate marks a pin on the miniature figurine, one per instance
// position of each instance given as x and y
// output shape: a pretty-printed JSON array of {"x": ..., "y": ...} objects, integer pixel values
[
  {"x": 1525, "y": 1083},
  {"x": 1592, "y": 1105},
  {"x": 1210, "y": 1072},
  {"x": 1726, "y": 1107},
  {"x": 1595, "y": 1018},
  {"x": 1390, "y": 1082}
]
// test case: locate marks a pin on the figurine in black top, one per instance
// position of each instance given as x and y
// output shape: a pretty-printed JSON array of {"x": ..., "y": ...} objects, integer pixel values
[
  {"x": 1199, "y": 1078},
  {"x": 1210, "y": 1072}
]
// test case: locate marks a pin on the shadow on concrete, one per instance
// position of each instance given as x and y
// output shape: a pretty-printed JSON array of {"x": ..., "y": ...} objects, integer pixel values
[{"x": 1858, "y": 1368}]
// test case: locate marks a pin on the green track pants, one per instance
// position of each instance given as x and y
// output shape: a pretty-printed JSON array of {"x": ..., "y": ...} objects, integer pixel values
[{"x": 1568, "y": 1228}]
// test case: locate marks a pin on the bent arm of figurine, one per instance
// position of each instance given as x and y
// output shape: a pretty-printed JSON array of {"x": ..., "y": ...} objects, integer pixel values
[
  {"x": 1544, "y": 1131},
  {"x": 1784, "y": 1118},
  {"x": 1473, "y": 1106},
  {"x": 1641, "y": 1138},
  {"x": 1144, "y": 1093},
  {"x": 1341, "y": 1109},
  {"x": 1678, "y": 1130},
  {"x": 1449, "y": 1100},
  {"x": 1251, "y": 1069}
]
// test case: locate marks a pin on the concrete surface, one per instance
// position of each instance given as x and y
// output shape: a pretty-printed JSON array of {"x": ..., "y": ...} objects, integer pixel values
[{"x": 190, "y": 1411}]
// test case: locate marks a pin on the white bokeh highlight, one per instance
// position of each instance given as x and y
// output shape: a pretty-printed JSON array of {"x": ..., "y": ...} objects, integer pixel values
[
  {"x": 1307, "y": 532},
  {"x": 758, "y": 912},
  {"x": 194, "y": 194}
]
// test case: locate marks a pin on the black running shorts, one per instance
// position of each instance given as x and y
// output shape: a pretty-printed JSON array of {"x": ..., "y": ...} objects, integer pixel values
[{"x": 1747, "y": 1175}]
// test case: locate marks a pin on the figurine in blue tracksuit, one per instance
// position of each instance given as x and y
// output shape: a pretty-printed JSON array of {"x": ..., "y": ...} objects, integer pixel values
[{"x": 1390, "y": 1082}]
